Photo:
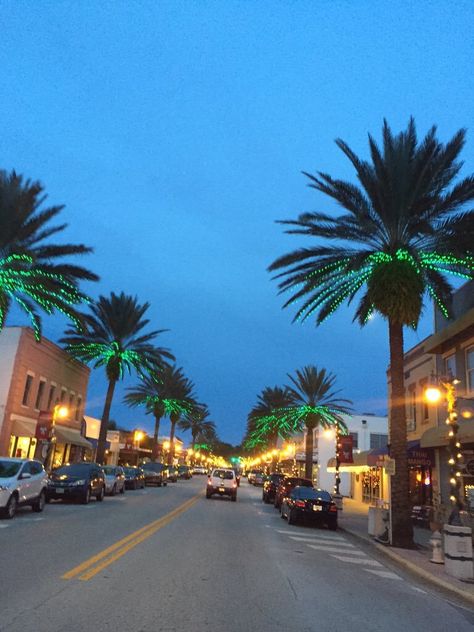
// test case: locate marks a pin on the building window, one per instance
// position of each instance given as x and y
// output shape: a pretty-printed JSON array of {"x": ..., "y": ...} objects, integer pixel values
[
  {"x": 450, "y": 365},
  {"x": 63, "y": 395},
  {"x": 470, "y": 369},
  {"x": 378, "y": 441},
  {"x": 26, "y": 392},
  {"x": 39, "y": 394},
  {"x": 52, "y": 390},
  {"x": 355, "y": 439},
  {"x": 71, "y": 403},
  {"x": 78, "y": 407},
  {"x": 413, "y": 409}
]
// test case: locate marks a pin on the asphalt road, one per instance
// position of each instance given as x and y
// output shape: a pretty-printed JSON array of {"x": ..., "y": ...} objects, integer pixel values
[{"x": 167, "y": 559}]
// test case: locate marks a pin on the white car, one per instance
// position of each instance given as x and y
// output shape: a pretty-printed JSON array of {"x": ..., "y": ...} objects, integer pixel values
[
  {"x": 223, "y": 482},
  {"x": 22, "y": 482},
  {"x": 114, "y": 479},
  {"x": 199, "y": 469}
]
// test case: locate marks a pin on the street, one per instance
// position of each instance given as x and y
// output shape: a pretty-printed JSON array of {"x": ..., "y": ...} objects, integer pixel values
[{"x": 167, "y": 559}]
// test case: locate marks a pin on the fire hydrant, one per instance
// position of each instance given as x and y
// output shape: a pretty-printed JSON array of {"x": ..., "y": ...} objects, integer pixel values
[{"x": 436, "y": 542}]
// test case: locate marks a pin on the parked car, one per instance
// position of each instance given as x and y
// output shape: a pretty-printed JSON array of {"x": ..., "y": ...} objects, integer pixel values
[
  {"x": 199, "y": 469},
  {"x": 155, "y": 474},
  {"x": 184, "y": 471},
  {"x": 222, "y": 481},
  {"x": 77, "y": 481},
  {"x": 22, "y": 482},
  {"x": 270, "y": 486},
  {"x": 259, "y": 479},
  {"x": 134, "y": 477},
  {"x": 251, "y": 476},
  {"x": 315, "y": 505},
  {"x": 172, "y": 473},
  {"x": 286, "y": 485},
  {"x": 114, "y": 479}
]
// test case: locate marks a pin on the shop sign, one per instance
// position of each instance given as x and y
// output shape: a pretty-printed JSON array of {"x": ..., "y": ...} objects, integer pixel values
[{"x": 43, "y": 426}]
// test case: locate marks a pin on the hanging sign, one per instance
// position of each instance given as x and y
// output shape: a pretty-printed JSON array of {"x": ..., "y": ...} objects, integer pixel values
[{"x": 345, "y": 449}]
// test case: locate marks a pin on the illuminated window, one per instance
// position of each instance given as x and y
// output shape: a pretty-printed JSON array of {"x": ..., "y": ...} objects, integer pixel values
[{"x": 26, "y": 392}]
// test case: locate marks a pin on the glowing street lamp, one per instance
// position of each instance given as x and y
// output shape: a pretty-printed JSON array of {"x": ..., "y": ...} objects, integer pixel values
[
  {"x": 59, "y": 412},
  {"x": 138, "y": 435}
]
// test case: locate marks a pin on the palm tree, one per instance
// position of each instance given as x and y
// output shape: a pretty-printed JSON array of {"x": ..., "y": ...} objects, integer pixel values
[
  {"x": 314, "y": 404},
  {"x": 266, "y": 421},
  {"x": 32, "y": 272},
  {"x": 149, "y": 393},
  {"x": 112, "y": 337},
  {"x": 197, "y": 422},
  {"x": 404, "y": 230}
]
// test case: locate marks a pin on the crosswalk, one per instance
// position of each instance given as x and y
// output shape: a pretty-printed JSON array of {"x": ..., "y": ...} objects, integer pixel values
[{"x": 339, "y": 548}]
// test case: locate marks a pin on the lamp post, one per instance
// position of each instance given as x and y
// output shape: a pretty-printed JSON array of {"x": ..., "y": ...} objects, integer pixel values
[
  {"x": 59, "y": 412},
  {"x": 433, "y": 396}
]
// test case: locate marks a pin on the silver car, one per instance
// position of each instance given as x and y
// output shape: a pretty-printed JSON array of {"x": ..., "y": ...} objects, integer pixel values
[
  {"x": 22, "y": 482},
  {"x": 114, "y": 479}
]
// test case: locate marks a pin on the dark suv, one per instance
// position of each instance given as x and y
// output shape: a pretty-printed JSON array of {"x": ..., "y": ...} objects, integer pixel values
[
  {"x": 77, "y": 481},
  {"x": 286, "y": 485},
  {"x": 155, "y": 474},
  {"x": 270, "y": 486}
]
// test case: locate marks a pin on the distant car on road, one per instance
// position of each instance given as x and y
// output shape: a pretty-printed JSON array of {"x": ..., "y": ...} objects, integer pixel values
[
  {"x": 114, "y": 479},
  {"x": 77, "y": 481},
  {"x": 134, "y": 477},
  {"x": 251, "y": 476},
  {"x": 315, "y": 505},
  {"x": 199, "y": 469},
  {"x": 184, "y": 471},
  {"x": 172, "y": 473},
  {"x": 286, "y": 485},
  {"x": 22, "y": 482},
  {"x": 270, "y": 487},
  {"x": 155, "y": 474},
  {"x": 259, "y": 479},
  {"x": 223, "y": 482}
]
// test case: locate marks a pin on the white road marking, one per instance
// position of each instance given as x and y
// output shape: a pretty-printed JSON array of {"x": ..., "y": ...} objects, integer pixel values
[
  {"x": 4, "y": 526},
  {"x": 321, "y": 539},
  {"x": 418, "y": 589},
  {"x": 314, "y": 534},
  {"x": 384, "y": 574},
  {"x": 356, "y": 560},
  {"x": 333, "y": 549}
]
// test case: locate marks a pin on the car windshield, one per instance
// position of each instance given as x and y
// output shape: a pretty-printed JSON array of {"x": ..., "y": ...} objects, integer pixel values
[
  {"x": 110, "y": 471},
  {"x": 77, "y": 469},
  {"x": 276, "y": 478},
  {"x": 312, "y": 494},
  {"x": 226, "y": 474},
  {"x": 9, "y": 468},
  {"x": 153, "y": 467}
]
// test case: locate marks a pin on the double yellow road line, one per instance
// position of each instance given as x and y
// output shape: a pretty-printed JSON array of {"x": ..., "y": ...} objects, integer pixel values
[{"x": 111, "y": 554}]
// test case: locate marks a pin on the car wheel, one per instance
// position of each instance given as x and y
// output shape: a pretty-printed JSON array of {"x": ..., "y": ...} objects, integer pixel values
[
  {"x": 164, "y": 484},
  {"x": 39, "y": 503},
  {"x": 114, "y": 490},
  {"x": 291, "y": 517},
  {"x": 87, "y": 496},
  {"x": 233, "y": 497},
  {"x": 332, "y": 525},
  {"x": 10, "y": 510},
  {"x": 101, "y": 495},
  {"x": 208, "y": 495},
  {"x": 282, "y": 513},
  {"x": 122, "y": 490}
]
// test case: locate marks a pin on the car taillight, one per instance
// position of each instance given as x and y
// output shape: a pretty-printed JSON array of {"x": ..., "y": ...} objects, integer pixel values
[
  {"x": 209, "y": 482},
  {"x": 300, "y": 503},
  {"x": 234, "y": 484},
  {"x": 332, "y": 507}
]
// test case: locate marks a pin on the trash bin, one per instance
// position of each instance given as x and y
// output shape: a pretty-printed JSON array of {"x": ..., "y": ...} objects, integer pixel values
[
  {"x": 378, "y": 520},
  {"x": 458, "y": 560}
]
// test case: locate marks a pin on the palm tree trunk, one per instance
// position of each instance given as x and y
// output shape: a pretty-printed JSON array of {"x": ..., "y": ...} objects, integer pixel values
[
  {"x": 100, "y": 456},
  {"x": 402, "y": 529},
  {"x": 171, "y": 452},
  {"x": 194, "y": 437},
  {"x": 308, "y": 468},
  {"x": 154, "y": 453}
]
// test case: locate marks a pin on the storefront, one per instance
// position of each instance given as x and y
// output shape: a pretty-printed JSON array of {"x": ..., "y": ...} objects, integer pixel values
[
  {"x": 369, "y": 481},
  {"x": 70, "y": 446},
  {"x": 22, "y": 439},
  {"x": 420, "y": 470}
]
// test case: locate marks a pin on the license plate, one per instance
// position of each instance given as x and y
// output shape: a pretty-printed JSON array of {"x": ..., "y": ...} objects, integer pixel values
[
  {"x": 222, "y": 489},
  {"x": 317, "y": 508},
  {"x": 59, "y": 490}
]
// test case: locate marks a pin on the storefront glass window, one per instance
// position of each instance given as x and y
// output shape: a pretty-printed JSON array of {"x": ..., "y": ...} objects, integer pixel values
[{"x": 22, "y": 447}]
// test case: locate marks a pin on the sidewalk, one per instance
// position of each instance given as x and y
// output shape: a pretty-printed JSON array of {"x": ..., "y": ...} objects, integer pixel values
[{"x": 354, "y": 520}]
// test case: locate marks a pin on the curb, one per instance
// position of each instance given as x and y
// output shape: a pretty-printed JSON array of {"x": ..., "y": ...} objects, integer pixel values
[{"x": 416, "y": 570}]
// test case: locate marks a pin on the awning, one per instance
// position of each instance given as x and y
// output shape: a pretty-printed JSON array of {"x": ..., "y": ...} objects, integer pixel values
[
  {"x": 23, "y": 426},
  {"x": 438, "y": 437},
  {"x": 72, "y": 436},
  {"x": 362, "y": 460}
]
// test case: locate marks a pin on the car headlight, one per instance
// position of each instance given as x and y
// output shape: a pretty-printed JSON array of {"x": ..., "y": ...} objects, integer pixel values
[{"x": 82, "y": 481}]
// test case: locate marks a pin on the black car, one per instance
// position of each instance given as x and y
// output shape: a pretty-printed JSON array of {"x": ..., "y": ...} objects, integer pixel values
[
  {"x": 285, "y": 486},
  {"x": 77, "y": 481},
  {"x": 134, "y": 477},
  {"x": 270, "y": 486},
  {"x": 315, "y": 505},
  {"x": 184, "y": 471},
  {"x": 172, "y": 473},
  {"x": 155, "y": 474}
]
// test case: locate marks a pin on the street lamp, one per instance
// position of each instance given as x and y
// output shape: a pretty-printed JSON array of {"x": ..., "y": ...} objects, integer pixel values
[
  {"x": 138, "y": 435},
  {"x": 59, "y": 412}
]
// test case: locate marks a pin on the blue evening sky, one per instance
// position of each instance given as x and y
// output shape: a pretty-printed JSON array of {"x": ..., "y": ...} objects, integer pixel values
[{"x": 175, "y": 133}]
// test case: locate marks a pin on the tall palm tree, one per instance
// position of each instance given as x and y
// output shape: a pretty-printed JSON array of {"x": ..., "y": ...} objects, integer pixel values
[
  {"x": 32, "y": 271},
  {"x": 197, "y": 422},
  {"x": 404, "y": 229},
  {"x": 266, "y": 421},
  {"x": 149, "y": 393},
  {"x": 315, "y": 404},
  {"x": 112, "y": 337}
]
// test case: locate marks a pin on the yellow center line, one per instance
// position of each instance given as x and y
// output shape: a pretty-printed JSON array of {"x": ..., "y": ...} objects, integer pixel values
[{"x": 96, "y": 563}]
